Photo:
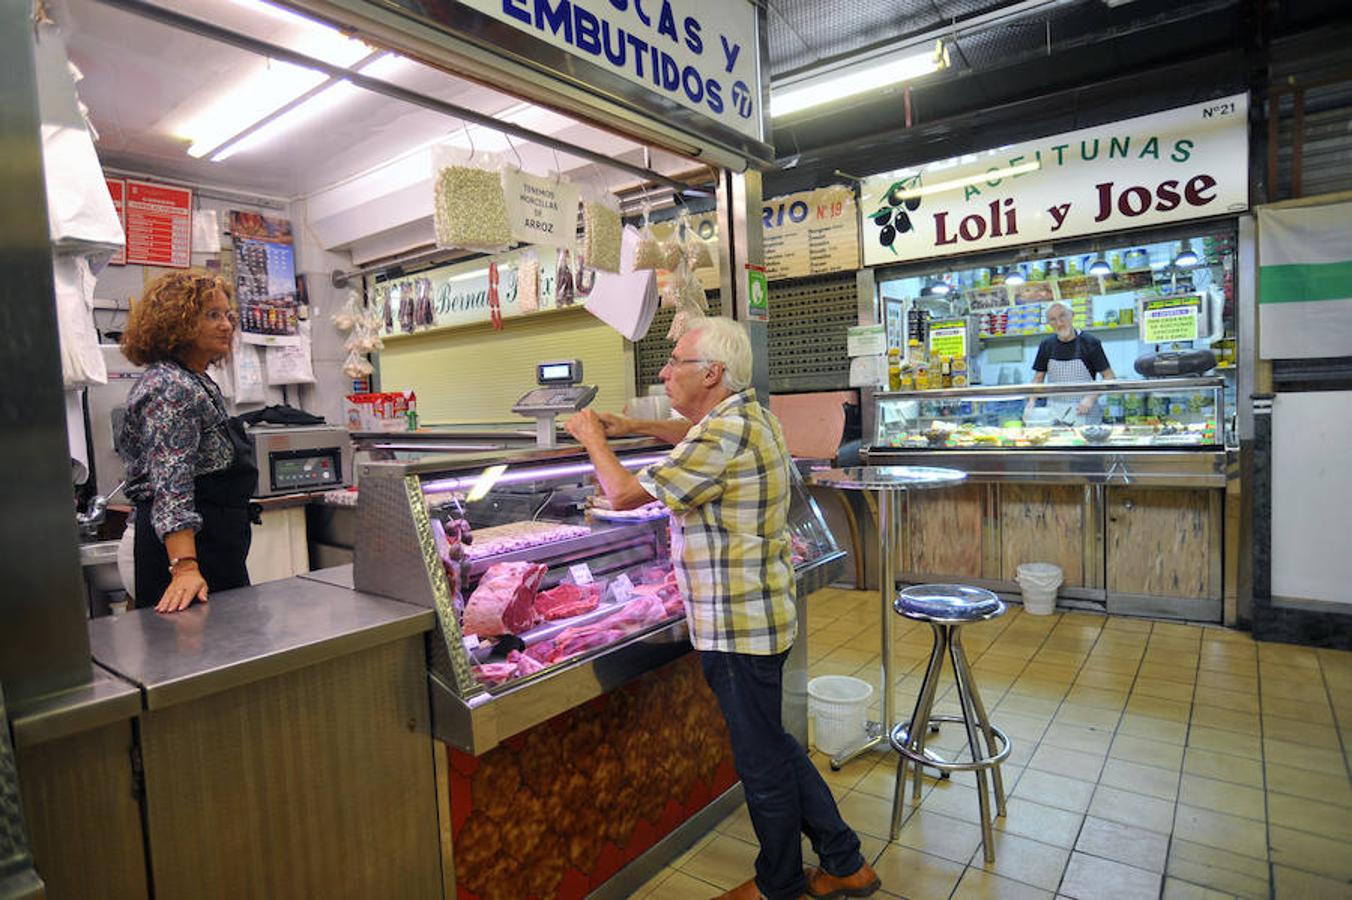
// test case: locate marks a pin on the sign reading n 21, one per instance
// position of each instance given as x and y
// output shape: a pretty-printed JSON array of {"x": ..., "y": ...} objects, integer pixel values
[
  {"x": 1180, "y": 164},
  {"x": 702, "y": 54}
]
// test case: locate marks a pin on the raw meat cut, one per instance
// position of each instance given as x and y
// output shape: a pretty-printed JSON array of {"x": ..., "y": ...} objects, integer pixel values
[
  {"x": 567, "y": 600},
  {"x": 636, "y": 614},
  {"x": 504, "y": 601},
  {"x": 517, "y": 665},
  {"x": 519, "y": 535}
]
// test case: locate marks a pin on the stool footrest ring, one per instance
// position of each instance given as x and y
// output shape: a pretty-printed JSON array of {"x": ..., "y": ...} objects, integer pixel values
[{"x": 900, "y": 737}]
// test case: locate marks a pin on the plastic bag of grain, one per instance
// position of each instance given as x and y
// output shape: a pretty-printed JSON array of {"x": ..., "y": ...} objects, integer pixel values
[{"x": 469, "y": 207}]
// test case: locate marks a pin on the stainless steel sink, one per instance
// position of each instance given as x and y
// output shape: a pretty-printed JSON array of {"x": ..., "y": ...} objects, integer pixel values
[{"x": 99, "y": 561}]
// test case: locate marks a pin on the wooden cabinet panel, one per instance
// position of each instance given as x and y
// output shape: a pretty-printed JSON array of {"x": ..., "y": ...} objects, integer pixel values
[
  {"x": 945, "y": 531},
  {"x": 1160, "y": 542},
  {"x": 1043, "y": 523}
]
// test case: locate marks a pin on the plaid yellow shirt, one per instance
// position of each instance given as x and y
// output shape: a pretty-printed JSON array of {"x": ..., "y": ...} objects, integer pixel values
[{"x": 727, "y": 486}]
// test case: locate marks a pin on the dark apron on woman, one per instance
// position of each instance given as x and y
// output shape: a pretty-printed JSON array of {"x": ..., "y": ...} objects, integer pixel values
[{"x": 222, "y": 500}]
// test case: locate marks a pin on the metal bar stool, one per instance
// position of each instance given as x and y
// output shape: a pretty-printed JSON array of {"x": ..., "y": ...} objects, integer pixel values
[{"x": 947, "y": 607}]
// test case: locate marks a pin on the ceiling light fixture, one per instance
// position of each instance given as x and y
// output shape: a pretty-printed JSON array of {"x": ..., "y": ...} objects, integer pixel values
[
  {"x": 937, "y": 288},
  {"x": 1100, "y": 267},
  {"x": 1187, "y": 257},
  {"x": 966, "y": 180},
  {"x": 857, "y": 79},
  {"x": 1014, "y": 276}
]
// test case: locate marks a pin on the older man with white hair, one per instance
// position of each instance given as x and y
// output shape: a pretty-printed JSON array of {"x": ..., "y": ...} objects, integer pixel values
[
  {"x": 726, "y": 482},
  {"x": 1068, "y": 356}
]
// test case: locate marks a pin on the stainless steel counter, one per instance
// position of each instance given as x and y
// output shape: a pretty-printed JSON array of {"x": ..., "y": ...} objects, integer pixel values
[
  {"x": 106, "y": 699},
  {"x": 247, "y": 635}
]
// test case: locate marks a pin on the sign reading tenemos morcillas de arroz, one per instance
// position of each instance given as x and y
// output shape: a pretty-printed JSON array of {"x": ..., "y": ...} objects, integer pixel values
[
  {"x": 1171, "y": 166},
  {"x": 702, "y": 54}
]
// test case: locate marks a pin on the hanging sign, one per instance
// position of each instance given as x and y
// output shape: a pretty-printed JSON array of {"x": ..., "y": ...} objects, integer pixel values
[
  {"x": 1168, "y": 167},
  {"x": 866, "y": 340},
  {"x": 458, "y": 294},
  {"x": 1171, "y": 319},
  {"x": 811, "y": 233},
  {"x": 541, "y": 210},
  {"x": 158, "y": 225},
  {"x": 701, "y": 56},
  {"x": 948, "y": 337},
  {"x": 117, "y": 189}
]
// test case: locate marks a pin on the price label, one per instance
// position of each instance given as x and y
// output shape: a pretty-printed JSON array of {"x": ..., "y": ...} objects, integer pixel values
[
  {"x": 471, "y": 642},
  {"x": 948, "y": 338},
  {"x": 581, "y": 573},
  {"x": 623, "y": 588}
]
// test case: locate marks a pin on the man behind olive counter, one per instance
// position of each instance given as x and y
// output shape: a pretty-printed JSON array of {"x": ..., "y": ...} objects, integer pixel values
[{"x": 726, "y": 483}]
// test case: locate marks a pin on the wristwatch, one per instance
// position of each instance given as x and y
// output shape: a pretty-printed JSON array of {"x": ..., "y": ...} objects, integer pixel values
[{"x": 178, "y": 559}]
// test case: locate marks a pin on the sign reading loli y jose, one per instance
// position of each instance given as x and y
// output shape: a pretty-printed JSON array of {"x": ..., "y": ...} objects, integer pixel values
[
  {"x": 1180, "y": 164},
  {"x": 702, "y": 54}
]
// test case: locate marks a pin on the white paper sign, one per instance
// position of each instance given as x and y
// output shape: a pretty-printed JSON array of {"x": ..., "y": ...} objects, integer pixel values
[
  {"x": 866, "y": 340},
  {"x": 1172, "y": 166},
  {"x": 623, "y": 588},
  {"x": 541, "y": 210},
  {"x": 291, "y": 364},
  {"x": 581, "y": 573}
]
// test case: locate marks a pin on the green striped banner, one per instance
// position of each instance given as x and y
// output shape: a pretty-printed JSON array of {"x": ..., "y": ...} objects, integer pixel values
[{"x": 1304, "y": 282}]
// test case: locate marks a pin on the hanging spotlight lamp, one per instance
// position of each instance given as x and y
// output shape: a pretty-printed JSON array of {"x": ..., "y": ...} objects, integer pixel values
[
  {"x": 1100, "y": 267},
  {"x": 1014, "y": 276},
  {"x": 1187, "y": 257}
]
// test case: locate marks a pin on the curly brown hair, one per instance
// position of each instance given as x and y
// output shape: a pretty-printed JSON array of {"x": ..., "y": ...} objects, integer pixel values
[{"x": 165, "y": 319}]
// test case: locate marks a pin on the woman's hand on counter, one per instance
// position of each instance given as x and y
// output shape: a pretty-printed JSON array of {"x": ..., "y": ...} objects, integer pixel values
[{"x": 187, "y": 585}]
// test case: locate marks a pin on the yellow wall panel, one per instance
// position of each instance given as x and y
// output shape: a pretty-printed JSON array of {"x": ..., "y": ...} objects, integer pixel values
[{"x": 472, "y": 374}]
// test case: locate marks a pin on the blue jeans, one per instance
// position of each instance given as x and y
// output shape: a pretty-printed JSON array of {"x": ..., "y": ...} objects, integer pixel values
[{"x": 785, "y": 794}]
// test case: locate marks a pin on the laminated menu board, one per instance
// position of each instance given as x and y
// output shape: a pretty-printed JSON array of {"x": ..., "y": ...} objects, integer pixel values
[
  {"x": 117, "y": 189},
  {"x": 811, "y": 233},
  {"x": 265, "y": 279},
  {"x": 158, "y": 222},
  {"x": 1171, "y": 319}
]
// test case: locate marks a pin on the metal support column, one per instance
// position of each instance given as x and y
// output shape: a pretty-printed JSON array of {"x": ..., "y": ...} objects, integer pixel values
[{"x": 741, "y": 245}]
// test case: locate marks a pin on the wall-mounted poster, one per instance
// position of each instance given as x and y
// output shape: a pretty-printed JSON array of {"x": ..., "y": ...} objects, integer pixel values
[
  {"x": 117, "y": 189},
  {"x": 158, "y": 225},
  {"x": 265, "y": 279}
]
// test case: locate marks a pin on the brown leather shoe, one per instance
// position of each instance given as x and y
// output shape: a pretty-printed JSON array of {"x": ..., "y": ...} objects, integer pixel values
[
  {"x": 745, "y": 891},
  {"x": 824, "y": 886}
]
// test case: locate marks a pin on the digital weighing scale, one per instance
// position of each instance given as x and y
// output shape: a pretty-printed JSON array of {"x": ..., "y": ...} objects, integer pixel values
[{"x": 560, "y": 391}]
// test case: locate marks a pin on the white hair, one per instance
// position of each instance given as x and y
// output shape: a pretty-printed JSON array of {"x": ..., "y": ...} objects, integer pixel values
[
  {"x": 1061, "y": 303},
  {"x": 721, "y": 340}
]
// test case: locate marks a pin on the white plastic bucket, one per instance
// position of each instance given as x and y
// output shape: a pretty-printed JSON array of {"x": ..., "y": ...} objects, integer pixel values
[
  {"x": 838, "y": 705},
  {"x": 1039, "y": 582}
]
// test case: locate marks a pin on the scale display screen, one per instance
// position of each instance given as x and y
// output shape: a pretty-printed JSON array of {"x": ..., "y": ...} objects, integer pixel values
[
  {"x": 302, "y": 470},
  {"x": 567, "y": 371}
]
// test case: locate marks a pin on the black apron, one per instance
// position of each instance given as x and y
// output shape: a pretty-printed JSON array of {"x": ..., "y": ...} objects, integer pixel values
[{"x": 222, "y": 500}]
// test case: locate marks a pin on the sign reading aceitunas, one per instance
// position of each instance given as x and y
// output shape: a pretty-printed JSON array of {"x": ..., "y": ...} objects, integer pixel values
[{"x": 1172, "y": 166}]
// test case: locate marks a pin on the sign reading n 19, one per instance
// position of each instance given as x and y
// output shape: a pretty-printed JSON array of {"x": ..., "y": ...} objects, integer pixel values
[{"x": 1171, "y": 166}]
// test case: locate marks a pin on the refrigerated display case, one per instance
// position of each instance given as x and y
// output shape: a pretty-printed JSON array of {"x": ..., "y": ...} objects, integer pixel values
[{"x": 544, "y": 598}]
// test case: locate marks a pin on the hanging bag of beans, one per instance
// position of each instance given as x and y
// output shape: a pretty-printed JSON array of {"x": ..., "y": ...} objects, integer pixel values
[
  {"x": 602, "y": 231},
  {"x": 469, "y": 207}
]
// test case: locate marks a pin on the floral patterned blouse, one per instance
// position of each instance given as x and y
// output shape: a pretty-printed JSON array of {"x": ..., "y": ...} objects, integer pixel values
[{"x": 174, "y": 430}]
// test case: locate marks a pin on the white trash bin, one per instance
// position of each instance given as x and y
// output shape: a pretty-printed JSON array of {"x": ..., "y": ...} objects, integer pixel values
[
  {"x": 838, "y": 705},
  {"x": 1039, "y": 582}
]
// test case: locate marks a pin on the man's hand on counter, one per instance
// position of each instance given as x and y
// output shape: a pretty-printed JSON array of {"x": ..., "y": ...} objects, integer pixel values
[
  {"x": 587, "y": 428},
  {"x": 616, "y": 425}
]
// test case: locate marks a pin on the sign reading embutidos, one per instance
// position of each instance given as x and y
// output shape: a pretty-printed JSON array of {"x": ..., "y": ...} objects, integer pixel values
[
  {"x": 1180, "y": 164},
  {"x": 702, "y": 54}
]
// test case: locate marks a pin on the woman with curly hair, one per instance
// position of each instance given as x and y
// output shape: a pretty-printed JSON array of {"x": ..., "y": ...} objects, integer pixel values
[{"x": 190, "y": 466}]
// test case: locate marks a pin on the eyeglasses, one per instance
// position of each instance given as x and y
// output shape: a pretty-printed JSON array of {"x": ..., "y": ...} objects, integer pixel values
[
  {"x": 673, "y": 362},
  {"x": 215, "y": 315}
]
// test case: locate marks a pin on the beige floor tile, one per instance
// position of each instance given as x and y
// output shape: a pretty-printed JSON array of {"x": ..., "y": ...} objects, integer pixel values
[
  {"x": 1223, "y": 796},
  {"x": 1068, "y": 659},
  {"x": 1170, "y": 710},
  {"x": 879, "y": 780},
  {"x": 1147, "y": 752},
  {"x": 1078, "y": 737},
  {"x": 1047, "y": 824},
  {"x": 699, "y": 844},
  {"x": 1025, "y": 860},
  {"x": 1092, "y": 878},
  {"x": 1302, "y": 850},
  {"x": 849, "y": 774},
  {"x": 1087, "y": 716},
  {"x": 867, "y": 814},
  {"x": 725, "y": 861},
  {"x": 1108, "y": 681},
  {"x": 1223, "y": 767},
  {"x": 1240, "y": 684},
  {"x": 1028, "y": 706},
  {"x": 1308, "y": 886},
  {"x": 909, "y": 873},
  {"x": 1125, "y": 625},
  {"x": 671, "y": 884},
  {"x": 941, "y": 836},
  {"x": 958, "y": 801},
  {"x": 1224, "y": 832},
  {"x": 1222, "y": 741},
  {"x": 1326, "y": 819},
  {"x": 1039, "y": 688},
  {"x": 1148, "y": 780},
  {"x": 1240, "y": 701},
  {"x": 1314, "y": 785},
  {"x": 1316, "y": 759},
  {"x": 1219, "y": 869},
  {"x": 1154, "y": 729},
  {"x": 1127, "y": 844},
  {"x": 1084, "y": 695},
  {"x": 1281, "y": 691},
  {"x": 1166, "y": 672},
  {"x": 1309, "y": 734},
  {"x": 1179, "y": 631},
  {"x": 1229, "y": 665},
  {"x": 738, "y": 825},
  {"x": 1073, "y": 763},
  {"x": 1117, "y": 665},
  {"x": 1174, "y": 658},
  {"x": 1227, "y": 719},
  {"x": 851, "y": 656},
  {"x": 1163, "y": 690},
  {"x": 991, "y": 662},
  {"x": 1020, "y": 727},
  {"x": 978, "y": 884},
  {"x": 1116, "y": 805},
  {"x": 1051, "y": 789},
  {"x": 1184, "y": 890}
]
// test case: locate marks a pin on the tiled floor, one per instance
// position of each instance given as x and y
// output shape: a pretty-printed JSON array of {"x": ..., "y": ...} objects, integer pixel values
[{"x": 1151, "y": 759}]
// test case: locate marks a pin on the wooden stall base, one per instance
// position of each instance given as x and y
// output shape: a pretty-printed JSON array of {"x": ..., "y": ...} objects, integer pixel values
[
  {"x": 559, "y": 810},
  {"x": 1042, "y": 523},
  {"x": 945, "y": 530},
  {"x": 1160, "y": 542}
]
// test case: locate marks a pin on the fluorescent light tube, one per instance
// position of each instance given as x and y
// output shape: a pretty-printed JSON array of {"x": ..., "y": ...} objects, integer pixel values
[{"x": 816, "y": 91}]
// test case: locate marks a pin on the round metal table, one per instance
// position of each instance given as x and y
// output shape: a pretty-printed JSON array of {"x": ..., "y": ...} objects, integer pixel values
[{"x": 887, "y": 483}]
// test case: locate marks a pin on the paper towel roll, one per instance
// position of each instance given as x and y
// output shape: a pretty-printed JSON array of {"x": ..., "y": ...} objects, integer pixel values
[{"x": 75, "y": 436}]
